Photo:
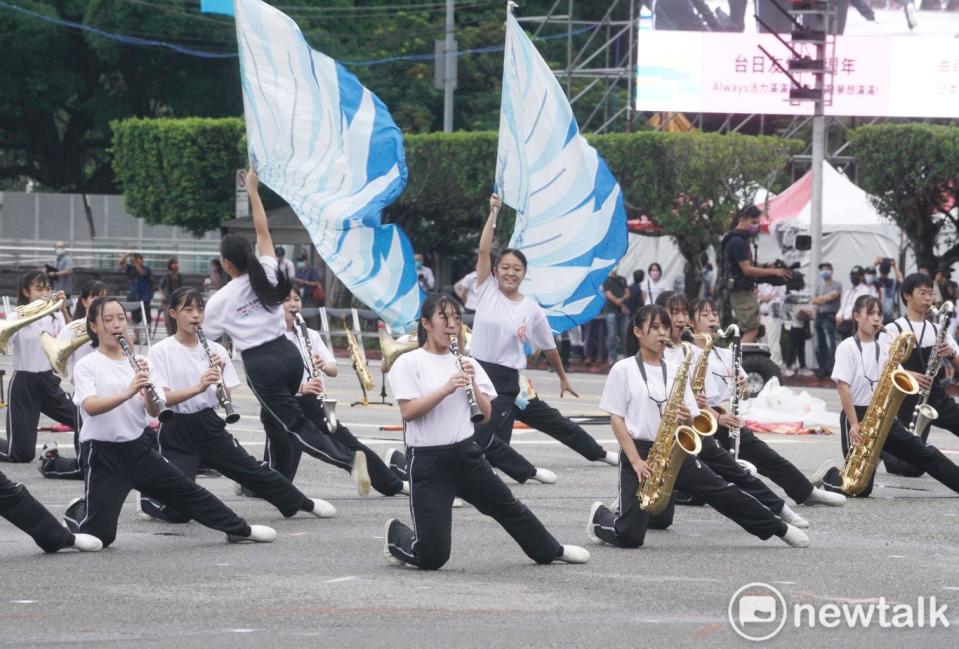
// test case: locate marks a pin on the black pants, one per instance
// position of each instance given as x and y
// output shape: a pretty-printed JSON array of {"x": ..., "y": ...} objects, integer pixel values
[
  {"x": 284, "y": 456},
  {"x": 189, "y": 441},
  {"x": 948, "y": 419},
  {"x": 113, "y": 469},
  {"x": 19, "y": 507},
  {"x": 66, "y": 468},
  {"x": 274, "y": 371},
  {"x": 544, "y": 418},
  {"x": 905, "y": 446},
  {"x": 796, "y": 347},
  {"x": 627, "y": 527},
  {"x": 32, "y": 393},
  {"x": 722, "y": 463},
  {"x": 440, "y": 473},
  {"x": 769, "y": 463}
]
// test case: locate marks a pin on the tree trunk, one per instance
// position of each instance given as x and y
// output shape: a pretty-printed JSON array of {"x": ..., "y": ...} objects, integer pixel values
[{"x": 693, "y": 268}]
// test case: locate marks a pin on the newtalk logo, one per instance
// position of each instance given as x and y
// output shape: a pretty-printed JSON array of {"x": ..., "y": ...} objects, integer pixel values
[{"x": 758, "y": 612}]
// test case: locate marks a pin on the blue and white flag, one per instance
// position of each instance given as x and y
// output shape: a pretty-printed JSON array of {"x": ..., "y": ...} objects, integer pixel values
[
  {"x": 330, "y": 149},
  {"x": 570, "y": 220}
]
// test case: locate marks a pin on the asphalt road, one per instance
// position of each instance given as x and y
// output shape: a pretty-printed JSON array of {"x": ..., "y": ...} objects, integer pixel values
[{"x": 325, "y": 582}]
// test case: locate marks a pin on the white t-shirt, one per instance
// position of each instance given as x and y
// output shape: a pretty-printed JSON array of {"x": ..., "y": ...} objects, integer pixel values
[
  {"x": 66, "y": 336},
  {"x": 237, "y": 311},
  {"x": 468, "y": 283},
  {"x": 926, "y": 333},
  {"x": 626, "y": 395},
  {"x": 858, "y": 369},
  {"x": 419, "y": 373},
  {"x": 505, "y": 332},
  {"x": 177, "y": 366},
  {"x": 654, "y": 289},
  {"x": 850, "y": 296},
  {"x": 319, "y": 348},
  {"x": 287, "y": 268},
  {"x": 720, "y": 370},
  {"x": 28, "y": 355},
  {"x": 100, "y": 376}
]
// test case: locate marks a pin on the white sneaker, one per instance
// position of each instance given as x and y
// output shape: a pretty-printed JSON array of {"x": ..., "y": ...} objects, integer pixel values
[
  {"x": 87, "y": 543},
  {"x": 386, "y": 545},
  {"x": 395, "y": 459},
  {"x": 258, "y": 534},
  {"x": 821, "y": 472},
  {"x": 805, "y": 372},
  {"x": 792, "y": 518},
  {"x": 322, "y": 509},
  {"x": 912, "y": 16},
  {"x": 360, "y": 473},
  {"x": 611, "y": 458},
  {"x": 795, "y": 537},
  {"x": 590, "y": 532},
  {"x": 822, "y": 497},
  {"x": 78, "y": 499},
  {"x": 788, "y": 372},
  {"x": 237, "y": 489},
  {"x": 613, "y": 505},
  {"x": 574, "y": 554},
  {"x": 457, "y": 503},
  {"x": 406, "y": 488},
  {"x": 544, "y": 476}
]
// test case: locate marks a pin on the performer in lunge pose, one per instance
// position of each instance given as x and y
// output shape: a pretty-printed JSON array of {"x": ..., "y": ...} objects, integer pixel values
[
  {"x": 196, "y": 376},
  {"x": 247, "y": 309},
  {"x": 436, "y": 391},
  {"x": 18, "y": 506},
  {"x": 705, "y": 320},
  {"x": 281, "y": 453},
  {"x": 507, "y": 328},
  {"x": 52, "y": 464},
  {"x": 116, "y": 454},
  {"x": 636, "y": 392},
  {"x": 34, "y": 389},
  {"x": 712, "y": 454},
  {"x": 860, "y": 360}
]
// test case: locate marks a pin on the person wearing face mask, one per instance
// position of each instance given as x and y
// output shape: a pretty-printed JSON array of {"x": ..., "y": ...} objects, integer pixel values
[
  {"x": 655, "y": 284},
  {"x": 845, "y": 326},
  {"x": 170, "y": 282},
  {"x": 424, "y": 274},
  {"x": 61, "y": 273},
  {"x": 827, "y": 300},
  {"x": 742, "y": 272}
]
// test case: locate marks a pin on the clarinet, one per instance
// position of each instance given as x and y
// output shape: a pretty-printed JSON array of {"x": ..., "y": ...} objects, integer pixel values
[
  {"x": 306, "y": 350},
  {"x": 232, "y": 416},
  {"x": 475, "y": 413},
  {"x": 732, "y": 331},
  {"x": 152, "y": 394}
]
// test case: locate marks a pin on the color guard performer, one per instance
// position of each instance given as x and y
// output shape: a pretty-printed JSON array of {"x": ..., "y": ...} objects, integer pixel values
[
  {"x": 247, "y": 309},
  {"x": 117, "y": 456},
  {"x": 435, "y": 390},
  {"x": 635, "y": 393},
  {"x": 191, "y": 372}
]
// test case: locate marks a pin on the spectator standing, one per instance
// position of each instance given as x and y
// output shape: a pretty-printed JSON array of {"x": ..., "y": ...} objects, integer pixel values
[
  {"x": 283, "y": 264},
  {"x": 888, "y": 283},
  {"x": 655, "y": 284},
  {"x": 615, "y": 312},
  {"x": 465, "y": 290},
  {"x": 770, "y": 315},
  {"x": 61, "y": 273},
  {"x": 141, "y": 288},
  {"x": 827, "y": 300},
  {"x": 424, "y": 274},
  {"x": 170, "y": 282}
]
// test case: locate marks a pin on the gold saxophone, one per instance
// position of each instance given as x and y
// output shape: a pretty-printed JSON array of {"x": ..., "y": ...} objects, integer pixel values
[
  {"x": 59, "y": 352},
  {"x": 358, "y": 358},
  {"x": 26, "y": 314},
  {"x": 893, "y": 386},
  {"x": 698, "y": 382},
  {"x": 674, "y": 441}
]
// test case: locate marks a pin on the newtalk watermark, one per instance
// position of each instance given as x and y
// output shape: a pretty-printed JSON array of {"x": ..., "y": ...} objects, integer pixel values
[{"x": 759, "y": 611}]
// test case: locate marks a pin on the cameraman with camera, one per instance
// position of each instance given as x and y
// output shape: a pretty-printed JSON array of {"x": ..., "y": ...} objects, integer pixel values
[{"x": 742, "y": 273}]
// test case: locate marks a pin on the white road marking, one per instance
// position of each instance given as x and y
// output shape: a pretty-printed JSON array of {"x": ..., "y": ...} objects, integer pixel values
[{"x": 339, "y": 580}]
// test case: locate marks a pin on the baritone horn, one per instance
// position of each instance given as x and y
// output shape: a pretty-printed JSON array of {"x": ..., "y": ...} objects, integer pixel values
[
  {"x": 59, "y": 352},
  {"x": 26, "y": 314}
]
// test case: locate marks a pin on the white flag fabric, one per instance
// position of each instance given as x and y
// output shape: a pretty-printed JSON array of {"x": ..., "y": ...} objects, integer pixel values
[
  {"x": 570, "y": 219},
  {"x": 329, "y": 147}
]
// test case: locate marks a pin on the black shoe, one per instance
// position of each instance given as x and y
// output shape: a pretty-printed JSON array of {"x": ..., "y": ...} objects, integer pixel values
[
  {"x": 207, "y": 472},
  {"x": 396, "y": 461},
  {"x": 683, "y": 498}
]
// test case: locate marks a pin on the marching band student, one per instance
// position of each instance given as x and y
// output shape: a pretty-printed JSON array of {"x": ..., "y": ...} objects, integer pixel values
[
  {"x": 19, "y": 507},
  {"x": 52, "y": 464},
  {"x": 34, "y": 388},
  {"x": 718, "y": 458},
  {"x": 116, "y": 454},
  {"x": 281, "y": 453},
  {"x": 705, "y": 320},
  {"x": 917, "y": 292},
  {"x": 508, "y": 326},
  {"x": 859, "y": 363},
  {"x": 444, "y": 459},
  {"x": 635, "y": 394},
  {"x": 196, "y": 435},
  {"x": 247, "y": 308}
]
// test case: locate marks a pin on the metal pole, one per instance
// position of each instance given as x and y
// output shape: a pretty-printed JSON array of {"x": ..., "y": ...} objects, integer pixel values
[
  {"x": 818, "y": 156},
  {"x": 448, "y": 78}
]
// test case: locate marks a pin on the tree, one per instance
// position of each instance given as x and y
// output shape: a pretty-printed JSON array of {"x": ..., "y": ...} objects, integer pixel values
[{"x": 911, "y": 172}]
